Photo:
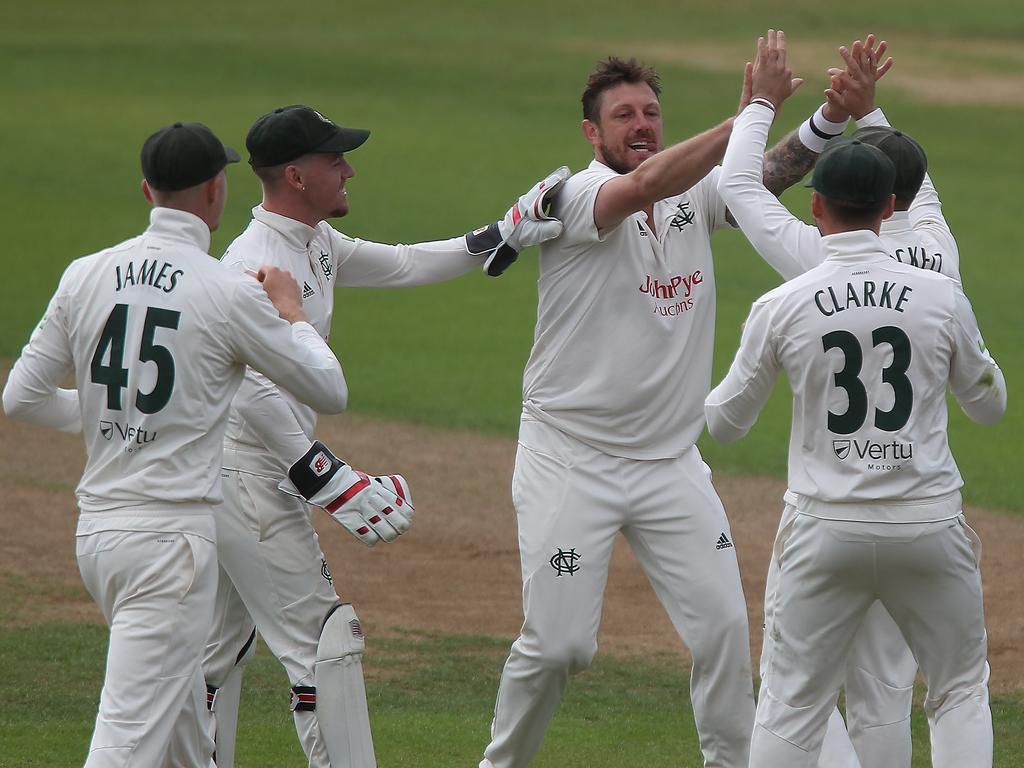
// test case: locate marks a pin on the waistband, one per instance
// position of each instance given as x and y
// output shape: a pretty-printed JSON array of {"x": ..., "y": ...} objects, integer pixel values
[{"x": 930, "y": 510}]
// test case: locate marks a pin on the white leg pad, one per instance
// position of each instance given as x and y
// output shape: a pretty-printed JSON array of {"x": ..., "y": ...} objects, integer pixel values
[
  {"x": 340, "y": 694},
  {"x": 224, "y": 703}
]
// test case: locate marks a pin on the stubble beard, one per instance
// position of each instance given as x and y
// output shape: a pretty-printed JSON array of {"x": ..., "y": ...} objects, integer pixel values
[{"x": 617, "y": 162}]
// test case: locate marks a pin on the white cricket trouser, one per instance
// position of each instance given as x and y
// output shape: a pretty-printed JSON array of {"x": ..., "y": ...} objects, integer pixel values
[
  {"x": 830, "y": 573},
  {"x": 879, "y": 684},
  {"x": 571, "y": 501},
  {"x": 269, "y": 550},
  {"x": 156, "y": 592}
]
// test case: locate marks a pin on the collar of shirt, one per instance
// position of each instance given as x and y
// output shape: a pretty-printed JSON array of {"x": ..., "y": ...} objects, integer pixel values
[
  {"x": 597, "y": 165},
  {"x": 898, "y": 222},
  {"x": 294, "y": 232},
  {"x": 180, "y": 225},
  {"x": 861, "y": 245}
]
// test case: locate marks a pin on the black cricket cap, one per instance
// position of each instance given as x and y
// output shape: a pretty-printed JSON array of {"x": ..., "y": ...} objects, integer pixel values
[
  {"x": 183, "y": 155},
  {"x": 853, "y": 173},
  {"x": 290, "y": 132},
  {"x": 906, "y": 154}
]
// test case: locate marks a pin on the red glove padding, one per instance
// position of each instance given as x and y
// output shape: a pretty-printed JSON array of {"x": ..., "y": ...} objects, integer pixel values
[{"x": 370, "y": 508}]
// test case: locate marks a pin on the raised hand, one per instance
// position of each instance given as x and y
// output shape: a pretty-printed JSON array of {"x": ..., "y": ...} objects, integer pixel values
[
  {"x": 852, "y": 90},
  {"x": 771, "y": 77}
]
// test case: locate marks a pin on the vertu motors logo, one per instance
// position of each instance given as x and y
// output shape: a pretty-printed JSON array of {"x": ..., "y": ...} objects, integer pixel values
[{"x": 842, "y": 448}]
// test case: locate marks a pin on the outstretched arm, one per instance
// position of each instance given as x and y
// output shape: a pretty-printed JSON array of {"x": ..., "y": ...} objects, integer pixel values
[
  {"x": 493, "y": 247},
  {"x": 852, "y": 93},
  {"x": 786, "y": 243},
  {"x": 669, "y": 172}
]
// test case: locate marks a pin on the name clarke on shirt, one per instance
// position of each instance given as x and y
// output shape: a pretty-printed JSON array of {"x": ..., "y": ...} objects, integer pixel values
[{"x": 866, "y": 294}]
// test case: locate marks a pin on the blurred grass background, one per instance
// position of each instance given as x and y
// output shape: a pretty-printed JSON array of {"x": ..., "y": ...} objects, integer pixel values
[{"x": 469, "y": 104}]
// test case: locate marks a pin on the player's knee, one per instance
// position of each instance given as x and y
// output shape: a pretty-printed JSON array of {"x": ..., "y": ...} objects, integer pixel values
[
  {"x": 728, "y": 633},
  {"x": 940, "y": 702},
  {"x": 219, "y": 666},
  {"x": 801, "y": 723},
  {"x": 567, "y": 654},
  {"x": 341, "y": 637},
  {"x": 871, "y": 702}
]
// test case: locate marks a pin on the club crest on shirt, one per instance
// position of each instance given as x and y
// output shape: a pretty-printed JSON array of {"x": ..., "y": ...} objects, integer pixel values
[
  {"x": 683, "y": 216},
  {"x": 325, "y": 264}
]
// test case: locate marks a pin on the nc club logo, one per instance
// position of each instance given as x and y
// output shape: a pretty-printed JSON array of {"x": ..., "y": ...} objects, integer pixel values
[
  {"x": 842, "y": 448},
  {"x": 325, "y": 264},
  {"x": 565, "y": 561}
]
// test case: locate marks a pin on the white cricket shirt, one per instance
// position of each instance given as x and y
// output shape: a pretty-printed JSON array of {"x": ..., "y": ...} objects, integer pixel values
[
  {"x": 158, "y": 335},
  {"x": 622, "y": 350},
  {"x": 320, "y": 258},
  {"x": 919, "y": 236},
  {"x": 866, "y": 305},
  {"x": 869, "y": 345}
]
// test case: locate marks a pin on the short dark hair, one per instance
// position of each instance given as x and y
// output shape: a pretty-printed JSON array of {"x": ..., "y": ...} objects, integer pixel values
[
  {"x": 611, "y": 72},
  {"x": 854, "y": 216}
]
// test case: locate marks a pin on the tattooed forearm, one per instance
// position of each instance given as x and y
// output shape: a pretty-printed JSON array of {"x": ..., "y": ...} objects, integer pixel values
[{"x": 786, "y": 163}]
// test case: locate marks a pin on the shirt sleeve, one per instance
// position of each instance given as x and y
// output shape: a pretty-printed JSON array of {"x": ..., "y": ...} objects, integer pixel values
[
  {"x": 926, "y": 216},
  {"x": 788, "y": 245},
  {"x": 974, "y": 377},
  {"x": 260, "y": 404},
  {"x": 711, "y": 202},
  {"x": 925, "y": 212},
  {"x": 291, "y": 355},
  {"x": 574, "y": 206},
  {"x": 733, "y": 406},
  {"x": 33, "y": 392},
  {"x": 377, "y": 265}
]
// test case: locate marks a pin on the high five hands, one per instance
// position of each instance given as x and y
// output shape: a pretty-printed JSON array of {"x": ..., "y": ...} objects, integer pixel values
[
  {"x": 852, "y": 90},
  {"x": 769, "y": 77}
]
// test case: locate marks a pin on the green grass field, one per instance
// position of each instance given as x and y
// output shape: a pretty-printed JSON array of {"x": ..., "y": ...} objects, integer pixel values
[
  {"x": 470, "y": 103},
  {"x": 430, "y": 698}
]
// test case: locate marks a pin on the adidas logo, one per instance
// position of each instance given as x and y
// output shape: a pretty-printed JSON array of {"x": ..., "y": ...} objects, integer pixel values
[
  {"x": 306, "y": 290},
  {"x": 723, "y": 542}
]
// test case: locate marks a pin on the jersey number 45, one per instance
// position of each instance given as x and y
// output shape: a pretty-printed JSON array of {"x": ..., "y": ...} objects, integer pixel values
[{"x": 114, "y": 376}]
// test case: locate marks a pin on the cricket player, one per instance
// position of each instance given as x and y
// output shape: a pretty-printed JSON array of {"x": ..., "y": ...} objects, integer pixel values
[
  {"x": 273, "y": 573},
  {"x": 869, "y": 345},
  {"x": 613, "y": 403},
  {"x": 158, "y": 336},
  {"x": 881, "y": 668}
]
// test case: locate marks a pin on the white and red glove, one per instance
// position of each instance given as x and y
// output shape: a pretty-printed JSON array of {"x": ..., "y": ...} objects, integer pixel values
[
  {"x": 370, "y": 508},
  {"x": 527, "y": 223}
]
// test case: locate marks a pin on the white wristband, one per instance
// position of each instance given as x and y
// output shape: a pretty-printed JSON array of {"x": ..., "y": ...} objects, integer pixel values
[
  {"x": 763, "y": 102},
  {"x": 816, "y": 131}
]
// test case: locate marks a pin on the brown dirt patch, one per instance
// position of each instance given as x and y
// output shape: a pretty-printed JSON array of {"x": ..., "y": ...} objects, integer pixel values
[{"x": 457, "y": 570}]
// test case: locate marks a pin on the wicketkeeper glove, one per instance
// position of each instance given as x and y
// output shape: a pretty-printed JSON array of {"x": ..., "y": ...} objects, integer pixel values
[
  {"x": 527, "y": 223},
  {"x": 370, "y": 508}
]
